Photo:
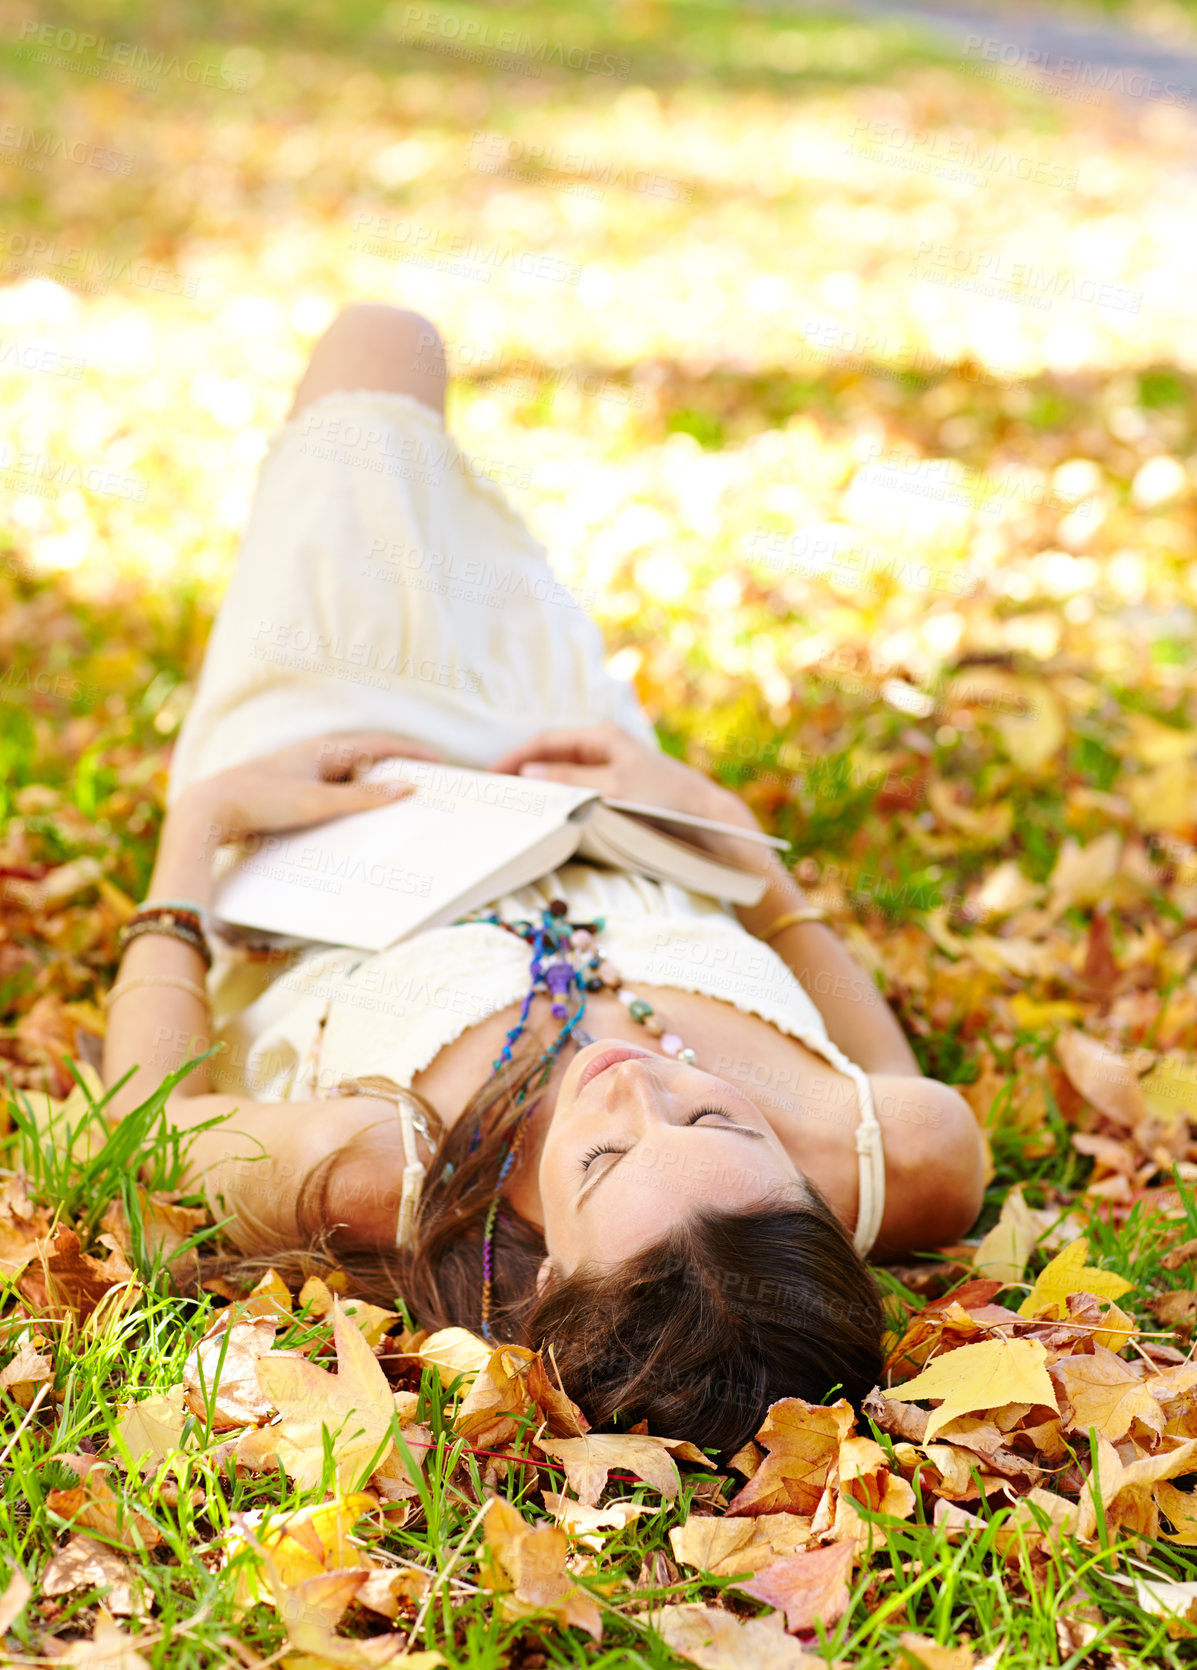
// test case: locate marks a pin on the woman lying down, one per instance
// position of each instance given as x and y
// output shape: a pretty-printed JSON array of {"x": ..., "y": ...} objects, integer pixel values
[{"x": 602, "y": 1114}]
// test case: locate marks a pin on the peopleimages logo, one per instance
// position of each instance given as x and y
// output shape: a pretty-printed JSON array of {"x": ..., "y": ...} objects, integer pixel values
[{"x": 49, "y": 37}]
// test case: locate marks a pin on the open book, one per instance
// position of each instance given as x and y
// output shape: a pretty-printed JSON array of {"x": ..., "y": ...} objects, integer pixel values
[{"x": 462, "y": 840}]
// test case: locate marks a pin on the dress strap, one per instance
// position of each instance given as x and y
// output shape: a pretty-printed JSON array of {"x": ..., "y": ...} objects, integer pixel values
[{"x": 869, "y": 1149}]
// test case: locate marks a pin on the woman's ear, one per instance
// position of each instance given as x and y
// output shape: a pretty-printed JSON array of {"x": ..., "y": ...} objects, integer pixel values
[{"x": 544, "y": 1277}]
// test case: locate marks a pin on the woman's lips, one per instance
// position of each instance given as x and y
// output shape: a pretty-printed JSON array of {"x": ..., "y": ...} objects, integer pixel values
[{"x": 608, "y": 1058}]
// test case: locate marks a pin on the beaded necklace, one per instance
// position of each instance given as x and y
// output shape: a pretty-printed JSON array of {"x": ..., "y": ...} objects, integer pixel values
[{"x": 566, "y": 958}]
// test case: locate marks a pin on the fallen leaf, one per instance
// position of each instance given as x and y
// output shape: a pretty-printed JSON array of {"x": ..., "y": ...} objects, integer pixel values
[
  {"x": 727, "y": 1547},
  {"x": 585, "y": 1524},
  {"x": 1179, "y": 1506},
  {"x": 981, "y": 1376},
  {"x": 1126, "y": 1490},
  {"x": 1081, "y": 875},
  {"x": 453, "y": 1352},
  {"x": 803, "y": 1440},
  {"x": 354, "y": 1406},
  {"x": 1104, "y": 1078},
  {"x": 1068, "y": 1274},
  {"x": 918, "y": 1652},
  {"x": 864, "y": 1476},
  {"x": 84, "y": 1563},
  {"x": 1105, "y": 1393},
  {"x": 28, "y": 1370},
  {"x": 809, "y": 1588},
  {"x": 302, "y": 1544},
  {"x": 14, "y": 1599},
  {"x": 1003, "y": 1253},
  {"x": 1175, "y": 1601},
  {"x": 93, "y": 1505},
  {"x": 527, "y": 1570},
  {"x": 588, "y": 1460},
  {"x": 716, "y": 1640},
  {"x": 153, "y": 1428},
  {"x": 499, "y": 1399},
  {"x": 220, "y": 1376},
  {"x": 109, "y": 1648},
  {"x": 166, "y": 1226},
  {"x": 61, "y": 1281}
]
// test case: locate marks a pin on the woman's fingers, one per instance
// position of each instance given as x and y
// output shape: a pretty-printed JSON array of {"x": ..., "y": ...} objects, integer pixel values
[
  {"x": 583, "y": 745},
  {"x": 594, "y": 777},
  {"x": 338, "y": 756}
]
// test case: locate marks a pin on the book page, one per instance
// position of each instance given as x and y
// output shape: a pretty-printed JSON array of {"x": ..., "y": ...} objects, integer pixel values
[{"x": 375, "y": 877}]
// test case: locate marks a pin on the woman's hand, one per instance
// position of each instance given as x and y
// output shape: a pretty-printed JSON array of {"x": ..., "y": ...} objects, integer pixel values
[
  {"x": 304, "y": 784},
  {"x": 608, "y": 760}
]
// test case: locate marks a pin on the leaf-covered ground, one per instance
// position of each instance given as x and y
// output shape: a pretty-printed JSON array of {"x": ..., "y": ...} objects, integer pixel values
[{"x": 853, "y": 389}]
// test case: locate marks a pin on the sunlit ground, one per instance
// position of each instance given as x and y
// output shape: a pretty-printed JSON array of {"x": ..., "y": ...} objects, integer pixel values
[{"x": 852, "y": 380}]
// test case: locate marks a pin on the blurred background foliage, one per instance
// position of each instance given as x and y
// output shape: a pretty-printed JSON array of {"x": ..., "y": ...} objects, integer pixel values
[{"x": 846, "y": 375}]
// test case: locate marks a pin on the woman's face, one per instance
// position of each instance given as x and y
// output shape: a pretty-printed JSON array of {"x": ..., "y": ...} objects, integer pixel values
[{"x": 637, "y": 1141}]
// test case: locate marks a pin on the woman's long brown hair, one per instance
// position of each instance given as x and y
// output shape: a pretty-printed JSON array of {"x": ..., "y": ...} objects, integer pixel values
[{"x": 697, "y": 1334}]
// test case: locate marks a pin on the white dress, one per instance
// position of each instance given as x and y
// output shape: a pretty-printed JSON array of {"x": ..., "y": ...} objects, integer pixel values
[{"x": 386, "y": 581}]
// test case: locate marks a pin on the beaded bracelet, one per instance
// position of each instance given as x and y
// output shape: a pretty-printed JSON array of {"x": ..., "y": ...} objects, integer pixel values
[{"x": 175, "y": 924}]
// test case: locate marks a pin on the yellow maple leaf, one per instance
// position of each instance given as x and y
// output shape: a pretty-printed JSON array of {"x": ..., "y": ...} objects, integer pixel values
[
  {"x": 354, "y": 1406},
  {"x": 1067, "y": 1274},
  {"x": 981, "y": 1376}
]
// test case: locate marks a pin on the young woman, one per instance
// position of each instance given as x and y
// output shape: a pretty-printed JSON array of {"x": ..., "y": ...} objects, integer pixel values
[{"x": 605, "y": 1115}]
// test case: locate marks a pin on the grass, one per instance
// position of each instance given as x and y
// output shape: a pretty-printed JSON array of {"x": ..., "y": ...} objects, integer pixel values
[{"x": 791, "y": 332}]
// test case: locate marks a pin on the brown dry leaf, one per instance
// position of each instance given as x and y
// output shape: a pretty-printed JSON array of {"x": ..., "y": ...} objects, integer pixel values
[
  {"x": 1003, "y": 1253},
  {"x": 300, "y": 1545},
  {"x": 918, "y": 1652},
  {"x": 865, "y": 1477},
  {"x": 1126, "y": 1489},
  {"x": 153, "y": 1428},
  {"x": 453, "y": 1352},
  {"x": 809, "y": 1587},
  {"x": 1180, "y": 1506},
  {"x": 560, "y": 1413},
  {"x": 22, "y": 1224},
  {"x": 803, "y": 1440},
  {"x": 270, "y": 1297},
  {"x": 386, "y": 1587},
  {"x": 586, "y": 1525},
  {"x": 354, "y": 1406},
  {"x": 981, "y": 1376},
  {"x": 498, "y": 1400},
  {"x": 527, "y": 1570},
  {"x": 84, "y": 1563},
  {"x": 60, "y": 1281},
  {"x": 716, "y": 1640},
  {"x": 14, "y": 1599},
  {"x": 589, "y": 1459},
  {"x": 220, "y": 1375},
  {"x": 1105, "y": 1392},
  {"x": 28, "y": 1370},
  {"x": 93, "y": 1505},
  {"x": 1104, "y": 1078},
  {"x": 165, "y": 1226},
  {"x": 373, "y": 1320},
  {"x": 309, "y": 1613},
  {"x": 727, "y": 1547},
  {"x": 109, "y": 1648},
  {"x": 1023, "y": 1527}
]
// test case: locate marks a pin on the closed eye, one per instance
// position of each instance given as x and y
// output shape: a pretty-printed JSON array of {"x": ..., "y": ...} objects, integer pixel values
[{"x": 611, "y": 1148}]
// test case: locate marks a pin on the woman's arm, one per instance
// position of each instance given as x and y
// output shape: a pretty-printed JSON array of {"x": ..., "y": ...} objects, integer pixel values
[
  {"x": 253, "y": 1162},
  {"x": 856, "y": 1016}
]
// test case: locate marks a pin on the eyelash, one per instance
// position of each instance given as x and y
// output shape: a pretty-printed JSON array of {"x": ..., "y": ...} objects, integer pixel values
[{"x": 589, "y": 1158}]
